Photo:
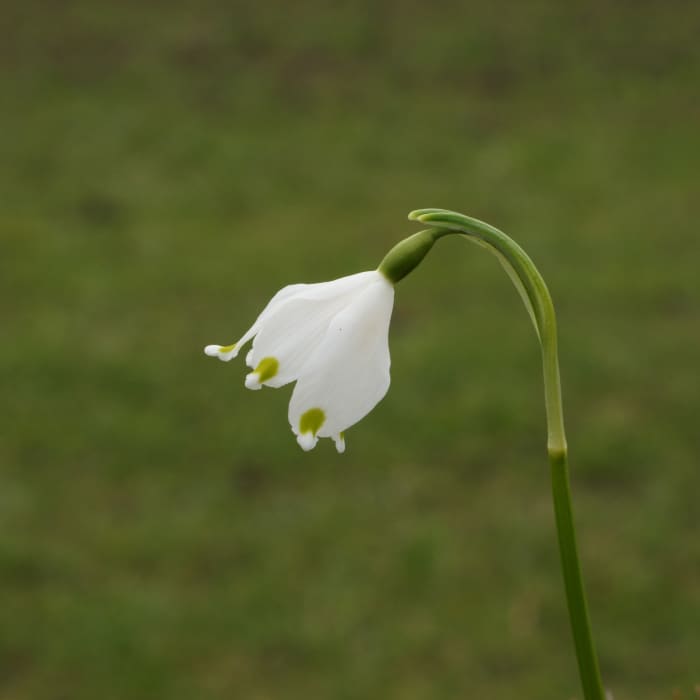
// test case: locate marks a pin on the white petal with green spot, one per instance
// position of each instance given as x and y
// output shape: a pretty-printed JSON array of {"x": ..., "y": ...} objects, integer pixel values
[{"x": 348, "y": 372}]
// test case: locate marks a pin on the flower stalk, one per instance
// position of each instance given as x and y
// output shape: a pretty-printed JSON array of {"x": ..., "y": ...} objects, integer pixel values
[
  {"x": 331, "y": 340},
  {"x": 538, "y": 302}
]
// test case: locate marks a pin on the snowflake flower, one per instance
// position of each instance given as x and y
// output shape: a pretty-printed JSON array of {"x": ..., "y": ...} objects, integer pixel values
[{"x": 332, "y": 339}]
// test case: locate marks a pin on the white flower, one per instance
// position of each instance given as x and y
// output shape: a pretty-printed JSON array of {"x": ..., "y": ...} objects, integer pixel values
[{"x": 332, "y": 338}]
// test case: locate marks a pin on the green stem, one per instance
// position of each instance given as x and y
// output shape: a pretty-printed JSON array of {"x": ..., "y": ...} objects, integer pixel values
[
  {"x": 538, "y": 302},
  {"x": 573, "y": 579}
]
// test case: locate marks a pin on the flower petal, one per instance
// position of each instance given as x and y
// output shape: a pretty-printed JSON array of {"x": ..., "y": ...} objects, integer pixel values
[
  {"x": 289, "y": 332},
  {"x": 316, "y": 291},
  {"x": 339, "y": 440},
  {"x": 348, "y": 372},
  {"x": 223, "y": 352},
  {"x": 228, "y": 352}
]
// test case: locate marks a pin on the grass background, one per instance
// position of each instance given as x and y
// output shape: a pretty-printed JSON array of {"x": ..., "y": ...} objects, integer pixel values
[{"x": 165, "y": 168}]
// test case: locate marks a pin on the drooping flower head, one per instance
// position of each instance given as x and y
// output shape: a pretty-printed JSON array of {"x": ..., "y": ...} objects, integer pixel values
[{"x": 332, "y": 339}]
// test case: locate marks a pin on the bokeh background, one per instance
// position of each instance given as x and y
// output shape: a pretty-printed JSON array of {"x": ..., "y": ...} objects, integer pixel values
[{"x": 165, "y": 167}]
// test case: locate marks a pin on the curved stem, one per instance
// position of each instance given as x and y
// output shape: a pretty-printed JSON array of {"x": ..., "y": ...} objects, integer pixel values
[{"x": 533, "y": 290}]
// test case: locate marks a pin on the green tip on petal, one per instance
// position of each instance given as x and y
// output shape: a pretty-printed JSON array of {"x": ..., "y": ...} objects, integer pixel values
[
  {"x": 311, "y": 421},
  {"x": 267, "y": 368},
  {"x": 227, "y": 348}
]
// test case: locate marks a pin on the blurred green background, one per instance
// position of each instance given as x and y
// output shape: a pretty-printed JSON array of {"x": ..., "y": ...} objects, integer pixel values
[{"x": 166, "y": 167}]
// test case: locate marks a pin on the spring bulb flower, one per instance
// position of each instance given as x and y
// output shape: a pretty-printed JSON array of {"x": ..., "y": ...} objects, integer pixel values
[{"x": 332, "y": 339}]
